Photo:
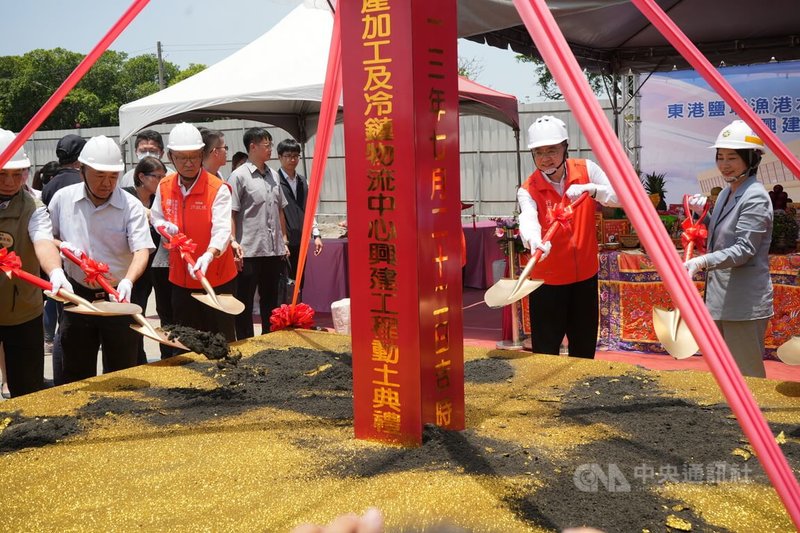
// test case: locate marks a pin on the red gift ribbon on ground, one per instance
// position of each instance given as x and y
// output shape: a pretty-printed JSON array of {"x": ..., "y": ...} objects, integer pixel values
[{"x": 291, "y": 316}]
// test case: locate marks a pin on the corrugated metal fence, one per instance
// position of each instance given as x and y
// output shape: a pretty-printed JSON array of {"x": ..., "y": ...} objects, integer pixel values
[{"x": 488, "y": 156}]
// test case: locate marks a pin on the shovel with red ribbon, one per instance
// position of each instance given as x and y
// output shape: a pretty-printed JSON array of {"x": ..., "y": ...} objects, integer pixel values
[
  {"x": 508, "y": 291},
  {"x": 670, "y": 328},
  {"x": 226, "y": 303},
  {"x": 96, "y": 274},
  {"x": 11, "y": 265}
]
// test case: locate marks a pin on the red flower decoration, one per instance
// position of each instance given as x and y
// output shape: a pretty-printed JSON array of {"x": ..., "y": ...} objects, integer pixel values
[
  {"x": 300, "y": 316},
  {"x": 9, "y": 261}
]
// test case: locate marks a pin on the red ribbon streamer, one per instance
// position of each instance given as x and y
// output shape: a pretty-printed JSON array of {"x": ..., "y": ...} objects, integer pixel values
[
  {"x": 331, "y": 93},
  {"x": 552, "y": 45},
  {"x": 299, "y": 316},
  {"x": 72, "y": 80}
]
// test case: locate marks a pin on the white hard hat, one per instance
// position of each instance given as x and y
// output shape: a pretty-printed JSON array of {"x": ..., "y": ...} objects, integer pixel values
[
  {"x": 185, "y": 137},
  {"x": 547, "y": 131},
  {"x": 18, "y": 160},
  {"x": 102, "y": 154},
  {"x": 739, "y": 136}
]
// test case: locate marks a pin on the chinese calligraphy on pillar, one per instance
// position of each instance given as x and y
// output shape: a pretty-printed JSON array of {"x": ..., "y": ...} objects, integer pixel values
[{"x": 401, "y": 140}]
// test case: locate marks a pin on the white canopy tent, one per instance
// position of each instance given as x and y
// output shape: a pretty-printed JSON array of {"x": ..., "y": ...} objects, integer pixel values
[{"x": 248, "y": 84}]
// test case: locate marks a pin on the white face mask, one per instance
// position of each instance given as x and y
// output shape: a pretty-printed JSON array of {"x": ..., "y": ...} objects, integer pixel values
[{"x": 142, "y": 155}]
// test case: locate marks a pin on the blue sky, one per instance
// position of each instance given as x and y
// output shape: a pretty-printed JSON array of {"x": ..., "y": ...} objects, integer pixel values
[{"x": 199, "y": 31}]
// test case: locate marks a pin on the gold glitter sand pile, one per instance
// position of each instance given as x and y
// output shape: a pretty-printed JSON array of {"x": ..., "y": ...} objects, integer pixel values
[{"x": 180, "y": 446}]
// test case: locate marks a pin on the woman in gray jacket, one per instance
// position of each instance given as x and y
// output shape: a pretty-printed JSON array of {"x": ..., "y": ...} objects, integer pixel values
[{"x": 738, "y": 285}]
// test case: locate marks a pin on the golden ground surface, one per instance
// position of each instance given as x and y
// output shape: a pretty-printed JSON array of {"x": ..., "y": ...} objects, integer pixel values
[{"x": 269, "y": 469}]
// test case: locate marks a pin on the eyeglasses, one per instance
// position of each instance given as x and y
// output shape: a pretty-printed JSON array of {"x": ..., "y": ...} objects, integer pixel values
[
  {"x": 224, "y": 147},
  {"x": 266, "y": 145},
  {"x": 552, "y": 152},
  {"x": 291, "y": 157},
  {"x": 183, "y": 159}
]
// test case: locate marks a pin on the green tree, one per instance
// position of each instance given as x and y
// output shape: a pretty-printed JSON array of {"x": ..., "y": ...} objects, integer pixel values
[
  {"x": 600, "y": 83},
  {"x": 470, "y": 68},
  {"x": 188, "y": 72},
  {"x": 27, "y": 81}
]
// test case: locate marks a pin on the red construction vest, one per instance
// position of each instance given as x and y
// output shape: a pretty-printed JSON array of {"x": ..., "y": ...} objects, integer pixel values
[
  {"x": 192, "y": 215},
  {"x": 573, "y": 256}
]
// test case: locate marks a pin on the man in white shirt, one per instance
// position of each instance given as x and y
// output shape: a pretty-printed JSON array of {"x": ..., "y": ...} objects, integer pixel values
[
  {"x": 567, "y": 303},
  {"x": 258, "y": 202},
  {"x": 197, "y": 204},
  {"x": 98, "y": 218},
  {"x": 25, "y": 229}
]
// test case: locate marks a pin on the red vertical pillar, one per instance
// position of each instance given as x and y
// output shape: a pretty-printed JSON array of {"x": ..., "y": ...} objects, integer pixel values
[{"x": 399, "y": 66}]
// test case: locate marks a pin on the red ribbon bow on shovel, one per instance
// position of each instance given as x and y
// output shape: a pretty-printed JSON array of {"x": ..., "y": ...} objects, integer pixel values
[
  {"x": 94, "y": 270},
  {"x": 182, "y": 243},
  {"x": 561, "y": 214},
  {"x": 9, "y": 262},
  {"x": 695, "y": 233}
]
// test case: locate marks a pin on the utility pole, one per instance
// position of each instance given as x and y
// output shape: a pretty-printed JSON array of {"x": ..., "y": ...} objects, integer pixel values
[{"x": 160, "y": 66}]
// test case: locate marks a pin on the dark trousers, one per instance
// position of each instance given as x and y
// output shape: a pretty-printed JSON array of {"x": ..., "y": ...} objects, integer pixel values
[
  {"x": 58, "y": 351},
  {"x": 139, "y": 295},
  {"x": 50, "y": 318},
  {"x": 571, "y": 310},
  {"x": 260, "y": 273},
  {"x": 24, "y": 348},
  {"x": 294, "y": 256},
  {"x": 190, "y": 312},
  {"x": 80, "y": 336},
  {"x": 154, "y": 279}
]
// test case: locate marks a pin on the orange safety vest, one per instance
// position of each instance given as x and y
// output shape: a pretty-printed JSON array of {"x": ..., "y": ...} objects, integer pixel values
[
  {"x": 192, "y": 215},
  {"x": 573, "y": 256}
]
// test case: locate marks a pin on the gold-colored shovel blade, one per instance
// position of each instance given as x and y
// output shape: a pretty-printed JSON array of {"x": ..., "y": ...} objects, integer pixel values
[
  {"x": 222, "y": 302},
  {"x": 502, "y": 293},
  {"x": 103, "y": 308},
  {"x": 158, "y": 335},
  {"x": 789, "y": 351},
  {"x": 673, "y": 333}
]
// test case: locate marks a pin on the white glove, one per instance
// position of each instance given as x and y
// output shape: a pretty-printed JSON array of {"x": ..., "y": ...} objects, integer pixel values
[
  {"x": 697, "y": 202},
  {"x": 77, "y": 252},
  {"x": 170, "y": 228},
  {"x": 59, "y": 281},
  {"x": 695, "y": 265},
  {"x": 201, "y": 264},
  {"x": 574, "y": 192},
  {"x": 124, "y": 289},
  {"x": 543, "y": 246}
]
